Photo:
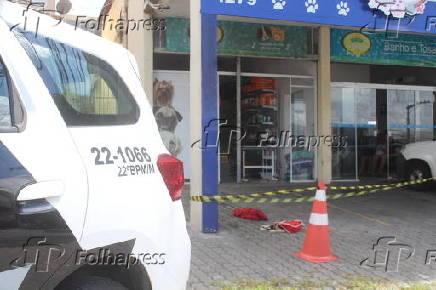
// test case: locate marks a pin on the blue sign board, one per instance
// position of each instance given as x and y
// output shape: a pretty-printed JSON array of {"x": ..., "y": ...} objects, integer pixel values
[
  {"x": 383, "y": 48},
  {"x": 421, "y": 17}
]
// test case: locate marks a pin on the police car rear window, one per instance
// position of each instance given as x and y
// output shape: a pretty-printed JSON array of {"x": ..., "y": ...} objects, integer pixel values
[
  {"x": 5, "y": 111},
  {"x": 87, "y": 90}
]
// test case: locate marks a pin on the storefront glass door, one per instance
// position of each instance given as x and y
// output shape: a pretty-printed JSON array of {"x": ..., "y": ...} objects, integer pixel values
[
  {"x": 275, "y": 110},
  {"x": 410, "y": 115},
  {"x": 410, "y": 118},
  {"x": 302, "y": 119},
  {"x": 344, "y": 159},
  {"x": 377, "y": 120},
  {"x": 228, "y": 128},
  {"x": 369, "y": 125}
]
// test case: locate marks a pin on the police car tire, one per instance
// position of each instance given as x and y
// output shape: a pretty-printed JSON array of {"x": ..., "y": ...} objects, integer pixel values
[
  {"x": 426, "y": 173},
  {"x": 93, "y": 283}
]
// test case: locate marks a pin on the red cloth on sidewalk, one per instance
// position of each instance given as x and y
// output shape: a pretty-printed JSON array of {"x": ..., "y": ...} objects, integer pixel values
[
  {"x": 290, "y": 226},
  {"x": 250, "y": 214}
]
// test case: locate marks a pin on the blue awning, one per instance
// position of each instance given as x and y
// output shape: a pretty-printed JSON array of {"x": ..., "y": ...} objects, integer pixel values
[{"x": 351, "y": 13}]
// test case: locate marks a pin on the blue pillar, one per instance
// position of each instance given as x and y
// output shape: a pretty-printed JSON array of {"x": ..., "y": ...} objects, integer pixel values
[{"x": 209, "y": 118}]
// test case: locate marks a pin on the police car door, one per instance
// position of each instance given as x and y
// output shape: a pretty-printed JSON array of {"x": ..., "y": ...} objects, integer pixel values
[
  {"x": 119, "y": 142},
  {"x": 43, "y": 182}
]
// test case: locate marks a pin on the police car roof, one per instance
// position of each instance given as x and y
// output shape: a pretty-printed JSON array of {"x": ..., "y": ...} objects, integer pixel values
[{"x": 16, "y": 15}]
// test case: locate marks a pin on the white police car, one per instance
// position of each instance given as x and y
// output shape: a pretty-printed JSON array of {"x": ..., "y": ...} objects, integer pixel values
[
  {"x": 89, "y": 197},
  {"x": 417, "y": 161}
]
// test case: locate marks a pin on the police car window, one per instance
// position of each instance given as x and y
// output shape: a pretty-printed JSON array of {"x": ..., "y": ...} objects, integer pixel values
[
  {"x": 5, "y": 108},
  {"x": 86, "y": 89}
]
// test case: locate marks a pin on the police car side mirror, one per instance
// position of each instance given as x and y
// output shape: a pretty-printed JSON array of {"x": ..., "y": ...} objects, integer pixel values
[{"x": 32, "y": 199}]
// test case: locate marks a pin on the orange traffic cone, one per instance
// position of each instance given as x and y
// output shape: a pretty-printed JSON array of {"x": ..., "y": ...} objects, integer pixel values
[{"x": 316, "y": 248}]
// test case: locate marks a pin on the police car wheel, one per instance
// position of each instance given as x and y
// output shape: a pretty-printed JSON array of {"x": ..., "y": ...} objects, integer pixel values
[
  {"x": 93, "y": 283},
  {"x": 419, "y": 171}
]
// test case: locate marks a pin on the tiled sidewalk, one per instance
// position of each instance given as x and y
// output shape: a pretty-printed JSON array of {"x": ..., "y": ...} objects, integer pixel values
[{"x": 240, "y": 251}]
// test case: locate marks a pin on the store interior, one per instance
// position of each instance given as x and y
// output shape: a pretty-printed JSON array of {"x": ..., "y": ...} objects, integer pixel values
[
  {"x": 378, "y": 109},
  {"x": 276, "y": 105},
  {"x": 274, "y": 110}
]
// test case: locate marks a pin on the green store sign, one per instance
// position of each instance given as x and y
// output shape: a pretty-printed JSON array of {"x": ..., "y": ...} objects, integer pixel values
[
  {"x": 240, "y": 38},
  {"x": 382, "y": 48}
]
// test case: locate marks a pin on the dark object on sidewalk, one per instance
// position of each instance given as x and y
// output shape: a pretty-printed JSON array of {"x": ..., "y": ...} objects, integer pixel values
[{"x": 250, "y": 214}]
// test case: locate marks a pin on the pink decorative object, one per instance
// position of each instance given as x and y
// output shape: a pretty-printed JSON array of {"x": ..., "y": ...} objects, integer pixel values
[
  {"x": 399, "y": 8},
  {"x": 420, "y": 6}
]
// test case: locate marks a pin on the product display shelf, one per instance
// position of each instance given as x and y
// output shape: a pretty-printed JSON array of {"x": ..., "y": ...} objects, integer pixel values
[{"x": 259, "y": 115}]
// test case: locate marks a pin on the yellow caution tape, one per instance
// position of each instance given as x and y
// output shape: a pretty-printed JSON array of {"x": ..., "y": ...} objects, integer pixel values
[
  {"x": 255, "y": 197},
  {"x": 272, "y": 193}
]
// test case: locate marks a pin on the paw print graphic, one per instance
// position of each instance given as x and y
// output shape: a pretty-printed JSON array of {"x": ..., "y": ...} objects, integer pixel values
[
  {"x": 311, "y": 5},
  {"x": 278, "y": 4},
  {"x": 343, "y": 8}
]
